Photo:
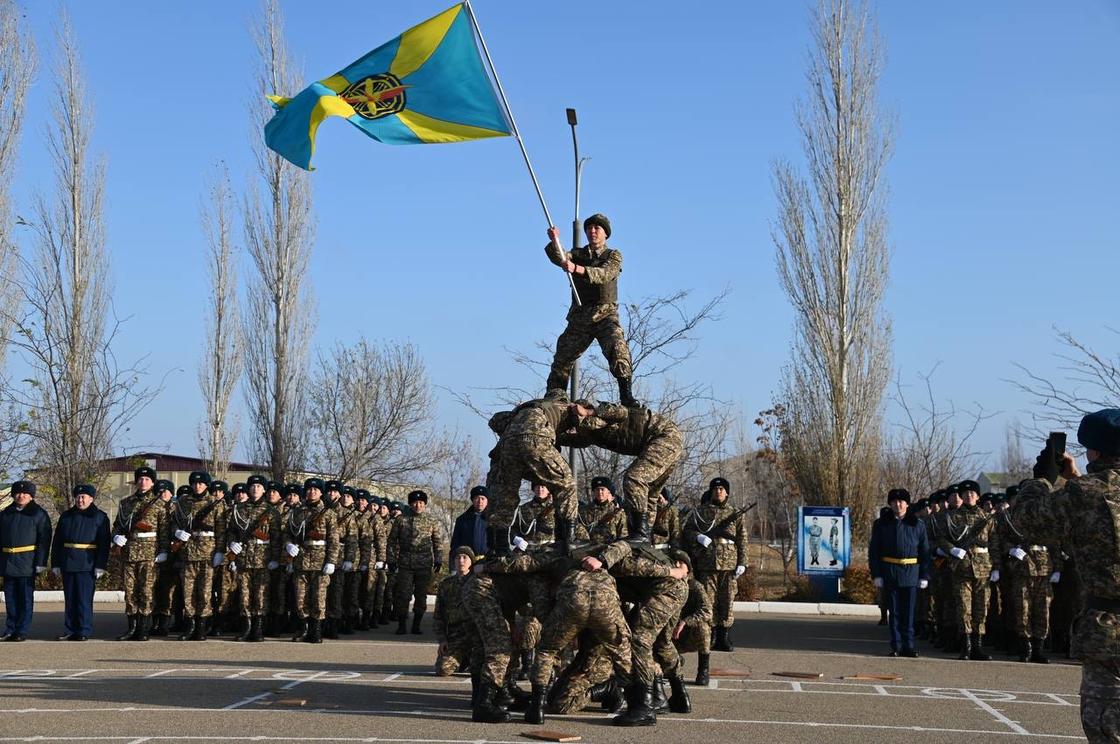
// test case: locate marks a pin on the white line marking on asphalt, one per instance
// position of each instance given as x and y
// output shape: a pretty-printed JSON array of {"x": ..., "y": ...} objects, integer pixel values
[
  {"x": 242, "y": 673},
  {"x": 246, "y": 701},
  {"x": 817, "y": 724},
  {"x": 391, "y": 677},
  {"x": 795, "y": 686},
  {"x": 82, "y": 673},
  {"x": 881, "y": 690},
  {"x": 1013, "y": 725},
  {"x": 160, "y": 673},
  {"x": 297, "y": 682},
  {"x": 1059, "y": 698}
]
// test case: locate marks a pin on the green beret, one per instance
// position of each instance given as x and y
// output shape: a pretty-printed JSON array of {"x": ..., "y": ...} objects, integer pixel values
[
  {"x": 600, "y": 220},
  {"x": 463, "y": 550}
]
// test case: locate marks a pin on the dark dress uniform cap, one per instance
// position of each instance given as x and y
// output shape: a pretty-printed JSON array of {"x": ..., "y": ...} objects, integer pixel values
[
  {"x": 218, "y": 486},
  {"x": 143, "y": 471},
  {"x": 199, "y": 476},
  {"x": 898, "y": 494},
  {"x": 480, "y": 491},
  {"x": 85, "y": 488},
  {"x": 602, "y": 481},
  {"x": 417, "y": 496},
  {"x": 1101, "y": 431},
  {"x": 256, "y": 479},
  {"x": 23, "y": 486},
  {"x": 716, "y": 482},
  {"x": 313, "y": 483}
]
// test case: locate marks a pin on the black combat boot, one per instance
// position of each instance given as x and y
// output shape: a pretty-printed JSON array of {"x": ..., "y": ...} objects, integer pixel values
[
  {"x": 977, "y": 653},
  {"x": 178, "y": 621},
  {"x": 476, "y": 687},
  {"x": 534, "y": 712},
  {"x": 527, "y": 658},
  {"x": 188, "y": 629},
  {"x": 329, "y": 628},
  {"x": 315, "y": 630},
  {"x": 625, "y": 394},
  {"x": 199, "y": 632},
  {"x": 143, "y": 622},
  {"x": 679, "y": 701},
  {"x": 402, "y": 625},
  {"x": 302, "y": 630},
  {"x": 383, "y": 617},
  {"x": 512, "y": 697},
  {"x": 416, "y": 617},
  {"x": 702, "y": 673},
  {"x": 363, "y": 621},
  {"x": 1037, "y": 657},
  {"x": 345, "y": 627},
  {"x": 270, "y": 625},
  {"x": 256, "y": 630},
  {"x": 247, "y": 633},
  {"x": 659, "y": 700},
  {"x": 639, "y": 711},
  {"x": 1024, "y": 650},
  {"x": 159, "y": 625},
  {"x": 722, "y": 640},
  {"x": 486, "y": 710},
  {"x": 639, "y": 527},
  {"x": 965, "y": 647},
  {"x": 127, "y": 635},
  {"x": 215, "y": 628},
  {"x": 563, "y": 535}
]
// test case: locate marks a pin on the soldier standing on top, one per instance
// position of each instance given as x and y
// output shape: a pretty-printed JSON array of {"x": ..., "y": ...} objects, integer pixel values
[{"x": 594, "y": 269}]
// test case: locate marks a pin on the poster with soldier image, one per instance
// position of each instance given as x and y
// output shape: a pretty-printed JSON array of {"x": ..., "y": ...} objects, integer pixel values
[{"x": 824, "y": 542}]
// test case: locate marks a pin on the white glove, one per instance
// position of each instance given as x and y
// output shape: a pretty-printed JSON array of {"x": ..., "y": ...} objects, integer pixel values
[
  {"x": 347, "y": 566},
  {"x": 740, "y": 570},
  {"x": 923, "y": 584},
  {"x": 379, "y": 564},
  {"x": 995, "y": 576},
  {"x": 704, "y": 540},
  {"x": 56, "y": 571},
  {"x": 363, "y": 568},
  {"x": 273, "y": 565},
  {"x": 1017, "y": 553},
  {"x": 957, "y": 553},
  {"x": 162, "y": 557},
  {"x": 1055, "y": 577},
  {"x": 217, "y": 560},
  {"x": 119, "y": 540},
  {"x": 235, "y": 548},
  {"x": 520, "y": 543},
  {"x": 292, "y": 549},
  {"x": 878, "y": 582},
  {"x": 328, "y": 569},
  {"x": 182, "y": 536},
  {"x": 98, "y": 573}
]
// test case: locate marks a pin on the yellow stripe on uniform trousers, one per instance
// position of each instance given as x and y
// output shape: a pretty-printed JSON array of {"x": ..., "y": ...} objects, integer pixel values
[
  {"x": 900, "y": 561},
  {"x": 20, "y": 549}
]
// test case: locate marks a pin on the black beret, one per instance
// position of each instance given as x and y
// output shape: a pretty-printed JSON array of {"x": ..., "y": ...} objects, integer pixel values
[
  {"x": 183, "y": 490},
  {"x": 898, "y": 494},
  {"x": 85, "y": 488},
  {"x": 1011, "y": 492},
  {"x": 968, "y": 485},
  {"x": 920, "y": 504},
  {"x": 361, "y": 494},
  {"x": 256, "y": 480},
  {"x": 1101, "y": 431},
  {"x": 480, "y": 491},
  {"x": 239, "y": 488},
  {"x": 950, "y": 490},
  {"x": 668, "y": 494},
  {"x": 23, "y": 486},
  {"x": 680, "y": 556},
  {"x": 463, "y": 550},
  {"x": 313, "y": 483},
  {"x": 332, "y": 485},
  {"x": 199, "y": 476},
  {"x": 600, "y": 220},
  {"x": 602, "y": 481},
  {"x": 396, "y": 505},
  {"x": 295, "y": 488},
  {"x": 715, "y": 482},
  {"x": 164, "y": 485},
  {"x": 274, "y": 486},
  {"x": 417, "y": 496},
  {"x": 143, "y": 471},
  {"x": 218, "y": 485},
  {"x": 348, "y": 491}
]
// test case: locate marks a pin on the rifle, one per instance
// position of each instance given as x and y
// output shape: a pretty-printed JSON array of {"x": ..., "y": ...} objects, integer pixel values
[
  {"x": 127, "y": 524},
  {"x": 721, "y": 528},
  {"x": 192, "y": 522},
  {"x": 966, "y": 540}
]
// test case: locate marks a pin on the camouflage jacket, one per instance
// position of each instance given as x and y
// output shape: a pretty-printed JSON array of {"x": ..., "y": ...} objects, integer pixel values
[
  {"x": 256, "y": 526},
  {"x": 967, "y": 523},
  {"x": 1082, "y": 514},
  {"x": 1040, "y": 560},
  {"x": 598, "y": 286},
  {"x": 627, "y": 430},
  {"x": 349, "y": 532},
  {"x": 667, "y": 527},
  {"x": 314, "y": 528},
  {"x": 199, "y": 516},
  {"x": 415, "y": 542},
  {"x": 534, "y": 421},
  {"x": 604, "y": 522},
  {"x": 725, "y": 553},
  {"x": 450, "y": 610},
  {"x": 535, "y": 521},
  {"x": 145, "y": 521},
  {"x": 697, "y": 610}
]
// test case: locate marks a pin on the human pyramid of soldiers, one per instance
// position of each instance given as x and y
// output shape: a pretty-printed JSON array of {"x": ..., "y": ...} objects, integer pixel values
[{"x": 593, "y": 602}]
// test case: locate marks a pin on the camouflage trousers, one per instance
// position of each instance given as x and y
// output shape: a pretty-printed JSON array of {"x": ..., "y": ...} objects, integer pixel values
[
  {"x": 351, "y": 592},
  {"x": 277, "y": 599},
  {"x": 971, "y": 593},
  {"x": 163, "y": 591},
  {"x": 375, "y": 582},
  {"x": 481, "y": 596},
  {"x": 198, "y": 582},
  {"x": 252, "y": 586},
  {"x": 527, "y": 631},
  {"x": 531, "y": 457},
  {"x": 335, "y": 586},
  {"x": 696, "y": 638},
  {"x": 584, "y": 326},
  {"x": 411, "y": 584},
  {"x": 311, "y": 594},
  {"x": 647, "y": 624},
  {"x": 461, "y": 647},
  {"x": 1100, "y": 700},
  {"x": 225, "y": 587},
  {"x": 643, "y": 480},
  {"x": 720, "y": 587},
  {"x": 588, "y": 603},
  {"x": 1031, "y": 596},
  {"x": 138, "y": 578},
  {"x": 571, "y": 692}
]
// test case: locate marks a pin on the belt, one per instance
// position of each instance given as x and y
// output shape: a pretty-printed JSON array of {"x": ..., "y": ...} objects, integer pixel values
[
  {"x": 900, "y": 561},
  {"x": 315, "y": 543},
  {"x": 662, "y": 546},
  {"x": 260, "y": 542},
  {"x": 80, "y": 546},
  {"x": 20, "y": 549},
  {"x": 202, "y": 533},
  {"x": 979, "y": 550},
  {"x": 1103, "y": 604},
  {"x": 143, "y": 534},
  {"x": 724, "y": 541},
  {"x": 1037, "y": 548}
]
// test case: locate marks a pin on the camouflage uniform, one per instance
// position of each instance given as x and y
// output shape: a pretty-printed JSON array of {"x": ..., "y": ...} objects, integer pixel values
[
  {"x": 256, "y": 525},
  {"x": 204, "y": 519},
  {"x": 1029, "y": 577},
  {"x": 378, "y": 577},
  {"x": 597, "y": 318},
  {"x": 143, "y": 520},
  {"x": 1083, "y": 514},
  {"x": 697, "y": 616},
  {"x": 415, "y": 548},
  {"x": 314, "y": 529},
  {"x": 602, "y": 522},
  {"x": 945, "y": 599},
  {"x": 715, "y": 565},
  {"x": 350, "y": 539},
  {"x": 666, "y": 531},
  {"x": 970, "y": 574},
  {"x": 482, "y": 595},
  {"x": 278, "y": 578},
  {"x": 454, "y": 628},
  {"x": 657, "y": 599}
]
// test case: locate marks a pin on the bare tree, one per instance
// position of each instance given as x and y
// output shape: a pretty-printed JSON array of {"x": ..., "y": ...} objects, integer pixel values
[
  {"x": 833, "y": 263},
  {"x": 452, "y": 478},
  {"x": 279, "y": 311},
  {"x": 373, "y": 414},
  {"x": 774, "y": 484},
  {"x": 78, "y": 400},
  {"x": 220, "y": 367},
  {"x": 1012, "y": 460}
]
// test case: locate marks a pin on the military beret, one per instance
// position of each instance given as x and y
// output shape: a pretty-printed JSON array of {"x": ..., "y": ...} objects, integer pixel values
[
  {"x": 600, "y": 220},
  {"x": 183, "y": 490},
  {"x": 143, "y": 472},
  {"x": 716, "y": 482},
  {"x": 602, "y": 481},
  {"x": 274, "y": 486},
  {"x": 968, "y": 485},
  {"x": 985, "y": 497},
  {"x": 349, "y": 491},
  {"x": 680, "y": 556},
  {"x": 239, "y": 488},
  {"x": 199, "y": 476},
  {"x": 313, "y": 483},
  {"x": 898, "y": 494},
  {"x": 397, "y": 506},
  {"x": 920, "y": 504},
  {"x": 85, "y": 488},
  {"x": 480, "y": 491},
  {"x": 164, "y": 485},
  {"x": 951, "y": 489},
  {"x": 295, "y": 488},
  {"x": 1101, "y": 431},
  {"x": 361, "y": 494},
  {"x": 417, "y": 496},
  {"x": 1011, "y": 492},
  {"x": 23, "y": 486},
  {"x": 463, "y": 550},
  {"x": 218, "y": 486},
  {"x": 332, "y": 485},
  {"x": 256, "y": 480}
]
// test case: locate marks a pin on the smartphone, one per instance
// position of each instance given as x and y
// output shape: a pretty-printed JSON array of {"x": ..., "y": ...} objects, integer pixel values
[{"x": 1057, "y": 441}]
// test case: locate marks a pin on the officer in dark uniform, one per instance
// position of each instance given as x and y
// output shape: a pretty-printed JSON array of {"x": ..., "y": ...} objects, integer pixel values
[
  {"x": 898, "y": 556},
  {"x": 79, "y": 555},
  {"x": 25, "y": 540}
]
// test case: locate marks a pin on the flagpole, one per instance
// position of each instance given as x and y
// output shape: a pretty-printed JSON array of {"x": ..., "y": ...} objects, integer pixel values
[{"x": 516, "y": 133}]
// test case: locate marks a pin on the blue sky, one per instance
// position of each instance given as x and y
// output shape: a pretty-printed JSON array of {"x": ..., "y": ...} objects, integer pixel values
[{"x": 1003, "y": 189}]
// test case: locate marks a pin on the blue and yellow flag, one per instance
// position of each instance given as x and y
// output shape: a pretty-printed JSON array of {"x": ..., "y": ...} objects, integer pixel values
[{"x": 426, "y": 85}]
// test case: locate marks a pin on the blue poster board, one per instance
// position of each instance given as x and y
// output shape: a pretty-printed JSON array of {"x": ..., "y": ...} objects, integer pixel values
[{"x": 824, "y": 540}]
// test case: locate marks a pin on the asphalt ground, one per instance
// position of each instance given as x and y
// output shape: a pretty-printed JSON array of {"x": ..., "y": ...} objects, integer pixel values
[{"x": 380, "y": 687}]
